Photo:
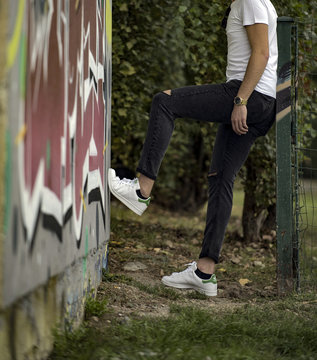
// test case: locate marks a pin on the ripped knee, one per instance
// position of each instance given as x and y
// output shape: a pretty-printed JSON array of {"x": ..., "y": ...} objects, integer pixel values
[
  {"x": 213, "y": 174},
  {"x": 168, "y": 92}
]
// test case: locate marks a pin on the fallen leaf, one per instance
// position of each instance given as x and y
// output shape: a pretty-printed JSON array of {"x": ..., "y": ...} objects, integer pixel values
[
  {"x": 134, "y": 266},
  {"x": 268, "y": 287},
  {"x": 235, "y": 260},
  {"x": 222, "y": 270},
  {"x": 196, "y": 242},
  {"x": 165, "y": 252},
  {"x": 169, "y": 244},
  {"x": 243, "y": 282},
  {"x": 113, "y": 242},
  {"x": 140, "y": 246},
  {"x": 258, "y": 263}
]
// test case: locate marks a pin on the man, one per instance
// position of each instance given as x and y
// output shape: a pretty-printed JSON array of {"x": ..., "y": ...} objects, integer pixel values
[{"x": 244, "y": 107}]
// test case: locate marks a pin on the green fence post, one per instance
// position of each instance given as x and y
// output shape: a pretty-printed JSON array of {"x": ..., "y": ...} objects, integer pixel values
[{"x": 284, "y": 208}]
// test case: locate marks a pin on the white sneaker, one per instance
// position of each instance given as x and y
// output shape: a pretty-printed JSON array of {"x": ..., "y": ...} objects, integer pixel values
[
  {"x": 125, "y": 191},
  {"x": 187, "y": 279}
]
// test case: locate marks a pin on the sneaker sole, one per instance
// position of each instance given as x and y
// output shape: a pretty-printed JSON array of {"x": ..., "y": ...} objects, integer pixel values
[
  {"x": 180, "y": 286},
  {"x": 127, "y": 203}
]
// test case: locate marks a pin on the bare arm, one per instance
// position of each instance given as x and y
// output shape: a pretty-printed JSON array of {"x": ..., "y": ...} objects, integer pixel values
[{"x": 258, "y": 38}]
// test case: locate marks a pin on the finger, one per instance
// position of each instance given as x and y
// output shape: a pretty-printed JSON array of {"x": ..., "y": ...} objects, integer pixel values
[
  {"x": 242, "y": 129},
  {"x": 243, "y": 126},
  {"x": 236, "y": 128},
  {"x": 244, "y": 120}
]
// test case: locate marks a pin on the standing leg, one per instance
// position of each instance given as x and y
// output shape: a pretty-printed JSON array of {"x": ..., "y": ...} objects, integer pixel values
[{"x": 230, "y": 152}]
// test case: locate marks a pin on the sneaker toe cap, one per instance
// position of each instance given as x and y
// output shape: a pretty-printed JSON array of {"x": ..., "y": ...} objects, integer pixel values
[{"x": 111, "y": 173}]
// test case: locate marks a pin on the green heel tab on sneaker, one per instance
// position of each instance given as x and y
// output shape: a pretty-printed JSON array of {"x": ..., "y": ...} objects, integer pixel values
[
  {"x": 212, "y": 280},
  {"x": 147, "y": 201}
]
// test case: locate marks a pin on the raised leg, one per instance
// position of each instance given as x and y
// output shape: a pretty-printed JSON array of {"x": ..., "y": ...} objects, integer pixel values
[{"x": 209, "y": 103}]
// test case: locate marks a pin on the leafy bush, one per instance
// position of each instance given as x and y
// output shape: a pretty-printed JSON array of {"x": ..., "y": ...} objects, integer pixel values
[{"x": 163, "y": 44}]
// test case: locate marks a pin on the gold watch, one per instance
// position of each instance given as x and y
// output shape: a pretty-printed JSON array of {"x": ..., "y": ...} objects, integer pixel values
[{"x": 239, "y": 101}]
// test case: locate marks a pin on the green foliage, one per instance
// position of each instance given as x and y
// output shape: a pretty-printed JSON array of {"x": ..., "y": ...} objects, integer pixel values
[
  {"x": 161, "y": 45},
  {"x": 76, "y": 344},
  {"x": 147, "y": 40},
  {"x": 94, "y": 307},
  {"x": 165, "y": 44},
  {"x": 108, "y": 277}
]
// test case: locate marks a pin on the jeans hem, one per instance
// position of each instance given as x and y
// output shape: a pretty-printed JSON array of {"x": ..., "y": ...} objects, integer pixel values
[
  {"x": 214, "y": 258},
  {"x": 145, "y": 173}
]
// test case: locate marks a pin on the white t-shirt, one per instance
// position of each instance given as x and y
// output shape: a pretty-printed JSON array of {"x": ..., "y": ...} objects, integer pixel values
[{"x": 249, "y": 12}]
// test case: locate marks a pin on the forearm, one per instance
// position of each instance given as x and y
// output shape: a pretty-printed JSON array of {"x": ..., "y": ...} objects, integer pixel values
[
  {"x": 258, "y": 39},
  {"x": 255, "y": 69}
]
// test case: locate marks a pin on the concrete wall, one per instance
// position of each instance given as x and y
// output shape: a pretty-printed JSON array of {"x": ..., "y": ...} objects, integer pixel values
[{"x": 55, "y": 108}]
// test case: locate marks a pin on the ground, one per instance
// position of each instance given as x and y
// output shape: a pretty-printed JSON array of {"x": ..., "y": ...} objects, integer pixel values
[
  {"x": 135, "y": 317},
  {"x": 163, "y": 249}
]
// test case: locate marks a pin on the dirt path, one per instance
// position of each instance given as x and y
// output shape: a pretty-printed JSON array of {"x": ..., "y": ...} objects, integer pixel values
[{"x": 246, "y": 272}]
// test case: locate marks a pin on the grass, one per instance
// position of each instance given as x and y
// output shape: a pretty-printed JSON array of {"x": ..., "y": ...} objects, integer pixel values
[
  {"x": 238, "y": 199},
  {"x": 284, "y": 330},
  {"x": 308, "y": 233},
  {"x": 135, "y": 317},
  {"x": 94, "y": 307}
]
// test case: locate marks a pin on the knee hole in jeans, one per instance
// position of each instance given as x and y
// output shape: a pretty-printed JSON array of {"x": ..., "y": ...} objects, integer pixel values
[
  {"x": 212, "y": 174},
  {"x": 168, "y": 92}
]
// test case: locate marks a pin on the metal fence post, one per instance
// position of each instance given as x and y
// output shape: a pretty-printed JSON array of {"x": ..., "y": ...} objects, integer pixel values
[{"x": 284, "y": 208}]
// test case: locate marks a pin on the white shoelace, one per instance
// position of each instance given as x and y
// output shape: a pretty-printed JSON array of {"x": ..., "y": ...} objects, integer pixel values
[
  {"x": 125, "y": 181},
  {"x": 190, "y": 267}
]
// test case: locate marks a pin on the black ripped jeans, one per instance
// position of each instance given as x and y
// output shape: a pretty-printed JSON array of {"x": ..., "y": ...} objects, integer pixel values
[{"x": 210, "y": 103}]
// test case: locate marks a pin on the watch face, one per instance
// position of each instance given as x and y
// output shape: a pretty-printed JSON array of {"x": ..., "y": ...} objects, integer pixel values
[{"x": 237, "y": 101}]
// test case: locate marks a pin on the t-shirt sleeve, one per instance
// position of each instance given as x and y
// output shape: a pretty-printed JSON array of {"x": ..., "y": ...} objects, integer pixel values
[{"x": 254, "y": 12}]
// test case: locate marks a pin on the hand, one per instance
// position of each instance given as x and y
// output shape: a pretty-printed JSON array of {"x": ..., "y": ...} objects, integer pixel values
[{"x": 239, "y": 119}]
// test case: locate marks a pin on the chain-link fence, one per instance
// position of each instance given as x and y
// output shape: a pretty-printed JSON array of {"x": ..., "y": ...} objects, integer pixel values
[{"x": 305, "y": 153}]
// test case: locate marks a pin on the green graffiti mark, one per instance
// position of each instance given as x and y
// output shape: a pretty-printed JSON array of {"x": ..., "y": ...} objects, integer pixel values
[
  {"x": 86, "y": 254},
  {"x": 86, "y": 243},
  {"x": 23, "y": 47},
  {"x": 48, "y": 155},
  {"x": 8, "y": 181}
]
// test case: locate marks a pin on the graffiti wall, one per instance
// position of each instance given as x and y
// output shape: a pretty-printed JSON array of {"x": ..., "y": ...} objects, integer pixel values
[{"x": 56, "y": 220}]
